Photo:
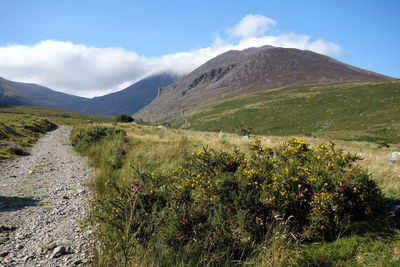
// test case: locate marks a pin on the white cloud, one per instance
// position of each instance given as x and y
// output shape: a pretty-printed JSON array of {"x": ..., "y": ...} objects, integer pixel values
[
  {"x": 252, "y": 26},
  {"x": 91, "y": 71},
  {"x": 291, "y": 40}
]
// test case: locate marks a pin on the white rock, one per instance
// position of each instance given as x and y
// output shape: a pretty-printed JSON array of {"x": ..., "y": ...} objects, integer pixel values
[
  {"x": 245, "y": 137},
  {"x": 393, "y": 157},
  {"x": 82, "y": 192},
  {"x": 161, "y": 127},
  {"x": 266, "y": 139},
  {"x": 58, "y": 251}
]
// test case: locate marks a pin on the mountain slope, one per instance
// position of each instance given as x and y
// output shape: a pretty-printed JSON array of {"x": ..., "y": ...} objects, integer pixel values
[
  {"x": 28, "y": 94},
  {"x": 253, "y": 69},
  {"x": 128, "y": 100},
  {"x": 365, "y": 111},
  {"x": 131, "y": 99}
]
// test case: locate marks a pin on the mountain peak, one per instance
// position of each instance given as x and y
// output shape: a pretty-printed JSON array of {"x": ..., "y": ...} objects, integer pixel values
[{"x": 249, "y": 70}]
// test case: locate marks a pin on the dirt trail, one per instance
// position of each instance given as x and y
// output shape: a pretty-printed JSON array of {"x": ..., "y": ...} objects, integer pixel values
[{"x": 43, "y": 204}]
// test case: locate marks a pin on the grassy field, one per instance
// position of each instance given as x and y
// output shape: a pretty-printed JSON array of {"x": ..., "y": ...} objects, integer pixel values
[
  {"x": 367, "y": 111},
  {"x": 60, "y": 117},
  {"x": 159, "y": 152}
]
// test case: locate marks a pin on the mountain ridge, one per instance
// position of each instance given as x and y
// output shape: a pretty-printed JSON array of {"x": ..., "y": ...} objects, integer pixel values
[
  {"x": 121, "y": 102},
  {"x": 250, "y": 70},
  {"x": 128, "y": 100}
]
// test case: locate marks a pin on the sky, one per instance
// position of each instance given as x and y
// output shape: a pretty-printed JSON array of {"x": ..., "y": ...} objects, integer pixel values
[{"x": 94, "y": 47}]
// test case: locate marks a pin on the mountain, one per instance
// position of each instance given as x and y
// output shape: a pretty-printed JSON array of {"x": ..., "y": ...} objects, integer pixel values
[
  {"x": 250, "y": 70},
  {"x": 29, "y": 94},
  {"x": 128, "y": 100},
  {"x": 131, "y": 99},
  {"x": 363, "y": 111}
]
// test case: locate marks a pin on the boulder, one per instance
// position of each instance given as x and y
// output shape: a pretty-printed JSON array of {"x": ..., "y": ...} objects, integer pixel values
[
  {"x": 393, "y": 157},
  {"x": 393, "y": 206}
]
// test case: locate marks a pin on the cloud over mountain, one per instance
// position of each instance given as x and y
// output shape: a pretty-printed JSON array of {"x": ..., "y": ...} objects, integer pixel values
[
  {"x": 92, "y": 71},
  {"x": 251, "y": 26}
]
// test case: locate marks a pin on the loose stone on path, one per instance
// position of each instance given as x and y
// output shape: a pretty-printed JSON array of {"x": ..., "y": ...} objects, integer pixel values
[{"x": 43, "y": 202}]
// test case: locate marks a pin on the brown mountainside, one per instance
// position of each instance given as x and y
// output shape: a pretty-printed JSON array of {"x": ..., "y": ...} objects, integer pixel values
[{"x": 253, "y": 69}]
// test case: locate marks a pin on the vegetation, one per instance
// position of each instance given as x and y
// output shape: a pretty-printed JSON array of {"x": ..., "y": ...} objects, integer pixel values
[
  {"x": 60, "y": 117},
  {"x": 94, "y": 135},
  {"x": 162, "y": 199},
  {"x": 365, "y": 111},
  {"x": 124, "y": 118},
  {"x": 19, "y": 132},
  {"x": 21, "y": 126}
]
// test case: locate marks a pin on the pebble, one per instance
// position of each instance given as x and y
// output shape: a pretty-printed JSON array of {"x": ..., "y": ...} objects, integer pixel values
[{"x": 58, "y": 252}]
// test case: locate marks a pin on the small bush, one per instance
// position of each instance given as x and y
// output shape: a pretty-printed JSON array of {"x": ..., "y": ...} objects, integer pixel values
[
  {"x": 220, "y": 206},
  {"x": 93, "y": 135},
  {"x": 382, "y": 143},
  {"x": 243, "y": 130},
  {"x": 124, "y": 118}
]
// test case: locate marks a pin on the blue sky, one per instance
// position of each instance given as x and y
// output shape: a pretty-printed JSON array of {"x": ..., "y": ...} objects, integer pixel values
[{"x": 362, "y": 33}]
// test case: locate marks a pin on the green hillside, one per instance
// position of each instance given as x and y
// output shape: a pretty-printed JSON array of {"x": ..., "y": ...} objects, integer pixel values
[
  {"x": 56, "y": 115},
  {"x": 366, "y": 111}
]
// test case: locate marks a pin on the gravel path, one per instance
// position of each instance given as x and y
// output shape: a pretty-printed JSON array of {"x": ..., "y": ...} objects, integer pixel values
[{"x": 43, "y": 204}]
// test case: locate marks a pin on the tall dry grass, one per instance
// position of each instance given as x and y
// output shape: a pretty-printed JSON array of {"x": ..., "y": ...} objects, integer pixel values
[{"x": 160, "y": 151}]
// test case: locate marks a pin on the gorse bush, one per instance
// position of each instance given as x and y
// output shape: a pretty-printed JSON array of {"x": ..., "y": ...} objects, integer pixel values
[
  {"x": 220, "y": 206},
  {"x": 124, "y": 118},
  {"x": 93, "y": 135}
]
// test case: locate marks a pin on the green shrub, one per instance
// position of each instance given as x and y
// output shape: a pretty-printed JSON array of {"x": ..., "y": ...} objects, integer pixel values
[
  {"x": 220, "y": 206},
  {"x": 124, "y": 118},
  {"x": 243, "y": 130},
  {"x": 93, "y": 135}
]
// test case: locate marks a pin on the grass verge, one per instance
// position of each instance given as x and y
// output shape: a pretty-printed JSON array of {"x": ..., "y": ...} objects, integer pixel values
[
  {"x": 155, "y": 154},
  {"x": 19, "y": 132}
]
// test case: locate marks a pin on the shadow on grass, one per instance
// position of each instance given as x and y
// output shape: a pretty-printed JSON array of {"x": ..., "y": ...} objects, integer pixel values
[{"x": 8, "y": 203}]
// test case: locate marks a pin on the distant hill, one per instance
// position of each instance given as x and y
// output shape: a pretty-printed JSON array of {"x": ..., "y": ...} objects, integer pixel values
[
  {"x": 128, "y": 100},
  {"x": 131, "y": 99},
  {"x": 29, "y": 94},
  {"x": 250, "y": 70}
]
